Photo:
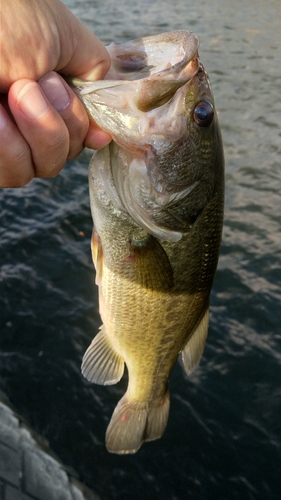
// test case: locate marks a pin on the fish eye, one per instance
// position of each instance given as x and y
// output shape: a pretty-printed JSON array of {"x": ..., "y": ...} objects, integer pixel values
[{"x": 203, "y": 113}]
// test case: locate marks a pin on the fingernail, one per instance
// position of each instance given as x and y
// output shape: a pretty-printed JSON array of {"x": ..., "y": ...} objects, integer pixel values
[
  {"x": 55, "y": 90},
  {"x": 3, "y": 119},
  {"x": 32, "y": 102}
]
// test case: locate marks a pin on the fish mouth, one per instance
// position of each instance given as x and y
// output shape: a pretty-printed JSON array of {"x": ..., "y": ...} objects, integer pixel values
[
  {"x": 151, "y": 69},
  {"x": 160, "y": 55}
]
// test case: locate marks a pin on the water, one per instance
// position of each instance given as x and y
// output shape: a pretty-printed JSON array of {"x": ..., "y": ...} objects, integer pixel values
[{"x": 223, "y": 440}]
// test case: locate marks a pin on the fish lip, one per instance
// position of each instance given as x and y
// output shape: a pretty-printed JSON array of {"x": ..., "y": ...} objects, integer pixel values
[{"x": 185, "y": 43}]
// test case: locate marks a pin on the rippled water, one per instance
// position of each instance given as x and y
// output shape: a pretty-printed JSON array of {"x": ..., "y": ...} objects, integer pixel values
[{"x": 223, "y": 440}]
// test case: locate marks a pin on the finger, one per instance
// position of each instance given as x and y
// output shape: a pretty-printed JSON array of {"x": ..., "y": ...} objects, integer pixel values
[
  {"x": 74, "y": 115},
  {"x": 70, "y": 109},
  {"x": 96, "y": 137},
  {"x": 56, "y": 40},
  {"x": 16, "y": 168},
  {"x": 41, "y": 126},
  {"x": 82, "y": 53}
]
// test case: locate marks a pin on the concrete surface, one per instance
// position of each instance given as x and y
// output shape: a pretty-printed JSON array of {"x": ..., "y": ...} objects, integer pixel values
[{"x": 28, "y": 471}]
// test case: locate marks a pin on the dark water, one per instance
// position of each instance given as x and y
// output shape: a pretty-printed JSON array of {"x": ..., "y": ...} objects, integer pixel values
[{"x": 223, "y": 440}]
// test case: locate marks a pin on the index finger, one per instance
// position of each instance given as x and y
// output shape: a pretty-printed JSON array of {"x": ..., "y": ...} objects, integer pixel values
[{"x": 82, "y": 53}]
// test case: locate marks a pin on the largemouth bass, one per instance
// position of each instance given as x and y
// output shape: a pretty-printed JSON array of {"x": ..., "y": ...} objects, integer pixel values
[{"x": 157, "y": 203}]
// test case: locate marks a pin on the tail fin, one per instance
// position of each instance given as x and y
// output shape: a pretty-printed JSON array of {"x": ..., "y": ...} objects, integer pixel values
[{"x": 132, "y": 423}]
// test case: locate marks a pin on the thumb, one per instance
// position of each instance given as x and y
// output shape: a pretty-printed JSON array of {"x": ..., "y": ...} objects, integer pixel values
[{"x": 82, "y": 53}]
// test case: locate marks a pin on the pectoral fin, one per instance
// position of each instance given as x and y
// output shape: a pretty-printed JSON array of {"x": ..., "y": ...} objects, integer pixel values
[
  {"x": 194, "y": 348},
  {"x": 101, "y": 364},
  {"x": 97, "y": 255},
  {"x": 152, "y": 268}
]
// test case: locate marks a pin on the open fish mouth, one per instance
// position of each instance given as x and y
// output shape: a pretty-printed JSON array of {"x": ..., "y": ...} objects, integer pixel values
[
  {"x": 152, "y": 68},
  {"x": 166, "y": 54}
]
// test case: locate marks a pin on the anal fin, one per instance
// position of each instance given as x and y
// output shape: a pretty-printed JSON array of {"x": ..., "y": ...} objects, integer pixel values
[
  {"x": 194, "y": 347},
  {"x": 101, "y": 364},
  {"x": 134, "y": 422}
]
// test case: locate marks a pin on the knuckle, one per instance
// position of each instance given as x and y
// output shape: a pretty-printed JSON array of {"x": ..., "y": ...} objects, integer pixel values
[
  {"x": 53, "y": 155},
  {"x": 77, "y": 143},
  {"x": 74, "y": 153},
  {"x": 16, "y": 169},
  {"x": 77, "y": 123}
]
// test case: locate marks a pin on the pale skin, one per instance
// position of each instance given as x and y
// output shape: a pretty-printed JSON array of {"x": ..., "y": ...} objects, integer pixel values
[{"x": 42, "y": 122}]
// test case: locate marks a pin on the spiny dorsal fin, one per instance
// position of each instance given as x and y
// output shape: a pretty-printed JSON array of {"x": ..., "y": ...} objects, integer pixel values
[
  {"x": 101, "y": 364},
  {"x": 194, "y": 347}
]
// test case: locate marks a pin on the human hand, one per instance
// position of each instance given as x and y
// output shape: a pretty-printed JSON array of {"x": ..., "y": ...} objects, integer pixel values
[{"x": 42, "y": 122}]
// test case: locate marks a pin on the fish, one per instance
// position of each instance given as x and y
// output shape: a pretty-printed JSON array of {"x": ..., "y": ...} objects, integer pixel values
[{"x": 157, "y": 200}]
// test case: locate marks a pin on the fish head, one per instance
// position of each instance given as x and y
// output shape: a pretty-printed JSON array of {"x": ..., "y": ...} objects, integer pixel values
[
  {"x": 144, "y": 74},
  {"x": 166, "y": 155}
]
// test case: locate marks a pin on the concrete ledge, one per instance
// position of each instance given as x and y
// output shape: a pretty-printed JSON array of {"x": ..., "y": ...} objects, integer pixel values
[{"x": 28, "y": 471}]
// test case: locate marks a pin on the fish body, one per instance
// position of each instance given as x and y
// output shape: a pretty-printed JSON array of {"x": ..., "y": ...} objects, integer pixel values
[{"x": 156, "y": 197}]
